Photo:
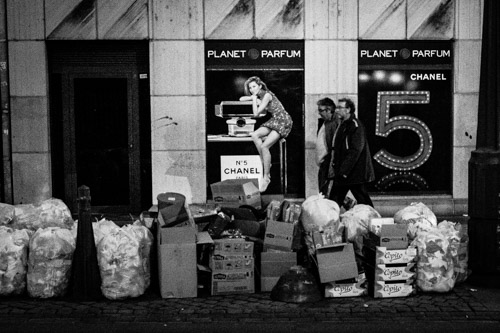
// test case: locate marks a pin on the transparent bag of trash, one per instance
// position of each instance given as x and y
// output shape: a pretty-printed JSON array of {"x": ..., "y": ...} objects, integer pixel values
[
  {"x": 48, "y": 213},
  {"x": 356, "y": 221},
  {"x": 418, "y": 217},
  {"x": 7, "y": 213},
  {"x": 49, "y": 262},
  {"x": 436, "y": 260},
  {"x": 13, "y": 260},
  {"x": 145, "y": 239},
  {"x": 120, "y": 264}
]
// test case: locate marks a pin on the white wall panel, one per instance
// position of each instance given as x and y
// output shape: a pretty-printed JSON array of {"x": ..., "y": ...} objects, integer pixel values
[
  {"x": 29, "y": 124},
  {"x": 177, "y": 68},
  {"x": 27, "y": 68},
  {"x": 467, "y": 64},
  {"x": 331, "y": 19},
  {"x": 178, "y": 122},
  {"x": 31, "y": 177},
  {"x": 25, "y": 19},
  {"x": 173, "y": 19},
  {"x": 189, "y": 163},
  {"x": 465, "y": 120},
  {"x": 469, "y": 17}
]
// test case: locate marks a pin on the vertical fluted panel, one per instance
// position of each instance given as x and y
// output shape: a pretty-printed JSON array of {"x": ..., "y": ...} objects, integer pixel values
[
  {"x": 431, "y": 19},
  {"x": 279, "y": 19},
  {"x": 382, "y": 19},
  {"x": 125, "y": 19},
  {"x": 229, "y": 19},
  {"x": 174, "y": 19},
  {"x": 331, "y": 19},
  {"x": 71, "y": 19}
]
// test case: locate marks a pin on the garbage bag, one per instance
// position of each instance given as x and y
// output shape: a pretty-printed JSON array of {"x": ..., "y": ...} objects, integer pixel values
[
  {"x": 145, "y": 239},
  {"x": 297, "y": 285},
  {"x": 435, "y": 264},
  {"x": 356, "y": 221},
  {"x": 49, "y": 262},
  {"x": 120, "y": 264},
  {"x": 319, "y": 214},
  {"x": 418, "y": 217},
  {"x": 49, "y": 213},
  {"x": 6, "y": 213},
  {"x": 13, "y": 260},
  {"x": 459, "y": 243}
]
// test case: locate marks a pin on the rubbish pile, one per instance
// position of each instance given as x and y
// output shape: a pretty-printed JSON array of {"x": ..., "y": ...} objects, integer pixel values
[{"x": 296, "y": 251}]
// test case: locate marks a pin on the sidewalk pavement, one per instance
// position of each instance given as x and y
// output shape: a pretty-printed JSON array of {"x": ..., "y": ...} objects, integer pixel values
[{"x": 467, "y": 308}]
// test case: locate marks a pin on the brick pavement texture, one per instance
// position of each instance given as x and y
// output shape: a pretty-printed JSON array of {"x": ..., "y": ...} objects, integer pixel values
[{"x": 465, "y": 304}]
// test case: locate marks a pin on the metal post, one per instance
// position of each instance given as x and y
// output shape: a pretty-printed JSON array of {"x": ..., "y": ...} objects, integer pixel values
[
  {"x": 484, "y": 164},
  {"x": 85, "y": 275}
]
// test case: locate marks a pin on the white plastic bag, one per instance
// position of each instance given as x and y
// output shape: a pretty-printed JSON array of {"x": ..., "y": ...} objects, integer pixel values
[
  {"x": 120, "y": 264},
  {"x": 418, "y": 217},
  {"x": 356, "y": 221},
  {"x": 49, "y": 262},
  {"x": 435, "y": 264},
  {"x": 13, "y": 260},
  {"x": 319, "y": 214}
]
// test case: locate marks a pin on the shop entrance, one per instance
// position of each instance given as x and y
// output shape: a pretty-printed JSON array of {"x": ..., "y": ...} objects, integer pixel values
[{"x": 100, "y": 120}]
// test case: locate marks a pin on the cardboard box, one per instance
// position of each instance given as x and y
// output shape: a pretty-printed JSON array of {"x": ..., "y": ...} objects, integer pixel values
[
  {"x": 353, "y": 289},
  {"x": 336, "y": 262},
  {"x": 273, "y": 265},
  {"x": 233, "y": 282},
  {"x": 177, "y": 267},
  {"x": 323, "y": 238},
  {"x": 395, "y": 272},
  {"x": 232, "y": 262},
  {"x": 237, "y": 192},
  {"x": 177, "y": 264},
  {"x": 392, "y": 237},
  {"x": 232, "y": 246},
  {"x": 279, "y": 235},
  {"x": 384, "y": 289}
]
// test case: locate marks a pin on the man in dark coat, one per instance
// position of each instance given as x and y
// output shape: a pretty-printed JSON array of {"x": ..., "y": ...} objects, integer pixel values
[
  {"x": 324, "y": 142},
  {"x": 352, "y": 161}
]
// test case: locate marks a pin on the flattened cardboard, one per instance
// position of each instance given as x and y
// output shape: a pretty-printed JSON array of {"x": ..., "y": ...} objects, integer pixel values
[
  {"x": 237, "y": 192},
  {"x": 279, "y": 235},
  {"x": 336, "y": 262}
]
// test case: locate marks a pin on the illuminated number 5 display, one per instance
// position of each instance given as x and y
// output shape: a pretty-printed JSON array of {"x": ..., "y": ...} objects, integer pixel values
[{"x": 385, "y": 125}]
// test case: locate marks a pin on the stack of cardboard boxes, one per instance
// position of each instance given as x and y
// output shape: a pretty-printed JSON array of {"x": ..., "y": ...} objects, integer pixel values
[
  {"x": 278, "y": 256},
  {"x": 232, "y": 264},
  {"x": 388, "y": 260}
]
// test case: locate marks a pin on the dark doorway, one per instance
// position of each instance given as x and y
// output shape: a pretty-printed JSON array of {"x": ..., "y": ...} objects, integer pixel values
[{"x": 100, "y": 124}]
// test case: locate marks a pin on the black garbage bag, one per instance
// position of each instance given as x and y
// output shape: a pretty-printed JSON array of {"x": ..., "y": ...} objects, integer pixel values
[{"x": 297, "y": 285}]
